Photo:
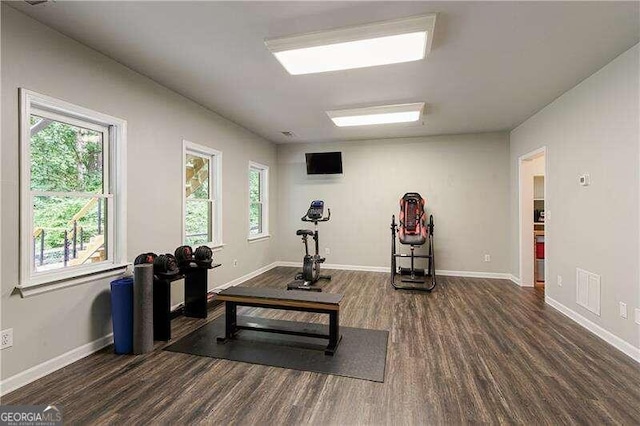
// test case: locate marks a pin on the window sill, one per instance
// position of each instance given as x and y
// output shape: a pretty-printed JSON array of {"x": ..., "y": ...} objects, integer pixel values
[
  {"x": 214, "y": 247},
  {"x": 256, "y": 238},
  {"x": 28, "y": 290}
]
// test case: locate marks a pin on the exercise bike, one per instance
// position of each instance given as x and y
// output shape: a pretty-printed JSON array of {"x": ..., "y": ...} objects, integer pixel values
[{"x": 310, "y": 274}]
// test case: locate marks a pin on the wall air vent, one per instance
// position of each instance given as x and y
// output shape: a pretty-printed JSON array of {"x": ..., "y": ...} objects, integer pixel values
[
  {"x": 588, "y": 290},
  {"x": 289, "y": 134}
]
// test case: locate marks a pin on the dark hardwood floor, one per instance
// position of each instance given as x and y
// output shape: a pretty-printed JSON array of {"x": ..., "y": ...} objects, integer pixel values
[{"x": 473, "y": 351}]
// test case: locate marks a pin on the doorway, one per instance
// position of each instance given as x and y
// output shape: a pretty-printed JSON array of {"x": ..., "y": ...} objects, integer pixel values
[{"x": 533, "y": 208}]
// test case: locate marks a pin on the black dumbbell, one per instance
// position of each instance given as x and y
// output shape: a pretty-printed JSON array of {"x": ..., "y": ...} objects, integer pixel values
[
  {"x": 165, "y": 264},
  {"x": 184, "y": 255},
  {"x": 203, "y": 256},
  {"x": 145, "y": 258}
]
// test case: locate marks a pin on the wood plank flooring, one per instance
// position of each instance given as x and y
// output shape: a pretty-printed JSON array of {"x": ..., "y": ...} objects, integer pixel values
[{"x": 473, "y": 351}]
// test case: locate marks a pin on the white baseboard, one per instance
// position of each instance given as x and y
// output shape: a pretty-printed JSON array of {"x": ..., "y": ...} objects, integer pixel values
[
  {"x": 385, "y": 269},
  {"x": 515, "y": 279},
  {"x": 355, "y": 267},
  {"x": 34, "y": 373},
  {"x": 246, "y": 277},
  {"x": 473, "y": 274},
  {"x": 290, "y": 264},
  {"x": 622, "y": 345}
]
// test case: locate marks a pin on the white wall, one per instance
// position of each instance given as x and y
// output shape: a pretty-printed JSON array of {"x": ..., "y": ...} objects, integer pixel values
[
  {"x": 40, "y": 59},
  {"x": 465, "y": 179},
  {"x": 593, "y": 128}
]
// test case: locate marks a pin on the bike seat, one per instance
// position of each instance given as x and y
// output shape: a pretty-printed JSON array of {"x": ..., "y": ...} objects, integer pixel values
[{"x": 304, "y": 232}]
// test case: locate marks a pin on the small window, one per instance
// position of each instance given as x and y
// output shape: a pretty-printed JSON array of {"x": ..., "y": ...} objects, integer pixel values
[
  {"x": 202, "y": 203},
  {"x": 258, "y": 201},
  {"x": 73, "y": 181}
]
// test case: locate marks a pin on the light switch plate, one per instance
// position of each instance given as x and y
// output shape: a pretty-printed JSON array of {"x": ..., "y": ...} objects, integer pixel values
[
  {"x": 623, "y": 310},
  {"x": 7, "y": 338},
  {"x": 584, "y": 180}
]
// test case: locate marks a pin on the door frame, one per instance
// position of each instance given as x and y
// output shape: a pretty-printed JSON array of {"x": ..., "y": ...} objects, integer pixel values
[{"x": 528, "y": 156}]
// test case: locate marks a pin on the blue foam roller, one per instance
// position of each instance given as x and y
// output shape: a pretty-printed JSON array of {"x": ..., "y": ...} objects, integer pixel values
[{"x": 122, "y": 315}]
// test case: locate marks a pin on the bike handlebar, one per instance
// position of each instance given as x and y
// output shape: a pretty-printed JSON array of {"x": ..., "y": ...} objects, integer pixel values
[{"x": 305, "y": 218}]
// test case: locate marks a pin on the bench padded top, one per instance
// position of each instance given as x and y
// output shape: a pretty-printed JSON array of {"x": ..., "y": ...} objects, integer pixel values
[{"x": 277, "y": 294}]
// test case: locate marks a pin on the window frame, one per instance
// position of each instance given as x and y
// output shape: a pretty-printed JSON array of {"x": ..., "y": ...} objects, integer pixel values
[
  {"x": 264, "y": 201},
  {"x": 113, "y": 191},
  {"x": 215, "y": 190}
]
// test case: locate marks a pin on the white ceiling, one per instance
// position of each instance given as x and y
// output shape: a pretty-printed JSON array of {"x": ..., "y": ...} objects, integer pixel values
[{"x": 492, "y": 65}]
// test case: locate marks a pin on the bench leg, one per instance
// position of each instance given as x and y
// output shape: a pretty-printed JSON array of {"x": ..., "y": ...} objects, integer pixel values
[
  {"x": 334, "y": 333},
  {"x": 230, "y": 322}
]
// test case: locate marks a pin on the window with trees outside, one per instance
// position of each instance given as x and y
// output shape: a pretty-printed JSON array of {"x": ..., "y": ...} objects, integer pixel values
[
  {"x": 202, "y": 201},
  {"x": 71, "y": 180},
  {"x": 258, "y": 201}
]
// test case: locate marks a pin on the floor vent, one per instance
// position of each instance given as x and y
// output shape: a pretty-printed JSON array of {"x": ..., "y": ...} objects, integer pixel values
[{"x": 588, "y": 290}]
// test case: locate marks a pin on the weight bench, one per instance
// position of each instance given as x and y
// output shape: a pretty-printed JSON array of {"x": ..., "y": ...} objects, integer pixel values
[{"x": 322, "y": 303}]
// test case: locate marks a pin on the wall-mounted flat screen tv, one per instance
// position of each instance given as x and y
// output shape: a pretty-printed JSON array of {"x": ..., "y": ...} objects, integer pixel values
[{"x": 324, "y": 163}]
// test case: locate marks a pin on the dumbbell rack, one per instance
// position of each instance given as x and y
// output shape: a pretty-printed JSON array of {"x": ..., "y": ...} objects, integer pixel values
[
  {"x": 195, "y": 297},
  {"x": 195, "y": 290},
  {"x": 162, "y": 305}
]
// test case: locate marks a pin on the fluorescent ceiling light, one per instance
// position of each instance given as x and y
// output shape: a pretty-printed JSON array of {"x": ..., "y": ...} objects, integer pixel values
[
  {"x": 386, "y": 114},
  {"x": 354, "y": 54},
  {"x": 381, "y": 43}
]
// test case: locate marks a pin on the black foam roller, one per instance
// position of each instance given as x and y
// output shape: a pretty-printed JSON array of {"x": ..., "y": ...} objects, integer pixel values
[{"x": 143, "y": 308}]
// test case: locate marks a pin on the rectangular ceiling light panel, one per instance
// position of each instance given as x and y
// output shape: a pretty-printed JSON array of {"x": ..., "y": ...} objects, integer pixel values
[
  {"x": 381, "y": 43},
  {"x": 386, "y": 114}
]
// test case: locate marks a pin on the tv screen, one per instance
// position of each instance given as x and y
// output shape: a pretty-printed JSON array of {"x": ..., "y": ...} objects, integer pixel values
[{"x": 324, "y": 163}]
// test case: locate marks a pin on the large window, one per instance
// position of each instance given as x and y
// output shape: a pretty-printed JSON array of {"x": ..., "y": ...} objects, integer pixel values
[
  {"x": 72, "y": 179},
  {"x": 258, "y": 201},
  {"x": 202, "y": 200}
]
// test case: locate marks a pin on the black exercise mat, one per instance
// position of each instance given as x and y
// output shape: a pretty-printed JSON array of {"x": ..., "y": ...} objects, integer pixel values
[{"x": 362, "y": 353}]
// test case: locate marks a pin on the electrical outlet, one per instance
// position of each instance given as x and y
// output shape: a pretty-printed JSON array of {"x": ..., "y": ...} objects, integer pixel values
[
  {"x": 637, "y": 310},
  {"x": 327, "y": 251},
  {"x": 7, "y": 338},
  {"x": 623, "y": 310},
  {"x": 487, "y": 258},
  {"x": 560, "y": 280},
  {"x": 235, "y": 262}
]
